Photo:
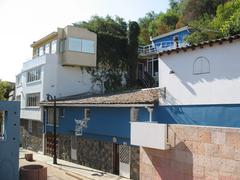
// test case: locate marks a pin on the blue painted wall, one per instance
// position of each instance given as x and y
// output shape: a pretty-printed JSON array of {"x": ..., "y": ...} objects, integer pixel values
[
  {"x": 9, "y": 145},
  {"x": 181, "y": 36},
  {"x": 207, "y": 115},
  {"x": 106, "y": 123}
]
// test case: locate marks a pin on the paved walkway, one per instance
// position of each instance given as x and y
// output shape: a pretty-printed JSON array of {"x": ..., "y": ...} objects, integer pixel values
[{"x": 66, "y": 170}]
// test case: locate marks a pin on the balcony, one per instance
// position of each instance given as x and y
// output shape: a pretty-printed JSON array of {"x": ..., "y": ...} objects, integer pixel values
[
  {"x": 158, "y": 47},
  {"x": 149, "y": 134}
]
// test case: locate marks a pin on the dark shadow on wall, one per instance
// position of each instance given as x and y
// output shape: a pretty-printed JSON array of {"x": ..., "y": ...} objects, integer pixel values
[{"x": 173, "y": 164}]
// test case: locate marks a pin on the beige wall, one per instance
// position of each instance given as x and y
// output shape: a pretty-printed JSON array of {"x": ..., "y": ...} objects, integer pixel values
[
  {"x": 196, "y": 153},
  {"x": 70, "y": 58}
]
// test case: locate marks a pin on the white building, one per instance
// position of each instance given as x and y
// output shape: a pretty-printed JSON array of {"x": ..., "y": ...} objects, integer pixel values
[
  {"x": 56, "y": 69},
  {"x": 206, "y": 73}
]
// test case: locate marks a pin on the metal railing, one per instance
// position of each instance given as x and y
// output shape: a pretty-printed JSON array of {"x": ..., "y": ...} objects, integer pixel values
[{"x": 158, "y": 47}]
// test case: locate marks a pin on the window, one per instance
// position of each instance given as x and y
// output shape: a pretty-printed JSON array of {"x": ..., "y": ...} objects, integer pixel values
[
  {"x": 18, "y": 98},
  {"x": 50, "y": 114},
  {"x": 155, "y": 67},
  {"x": 201, "y": 66},
  {"x": 134, "y": 114},
  {"x": 87, "y": 46},
  {"x": 41, "y": 51},
  {"x": 33, "y": 100},
  {"x": 87, "y": 113},
  {"x": 47, "y": 48},
  {"x": 36, "y": 52},
  {"x": 74, "y": 44},
  {"x": 60, "y": 111},
  {"x": 19, "y": 80},
  {"x": 150, "y": 67},
  {"x": 54, "y": 46},
  {"x": 34, "y": 75},
  {"x": 29, "y": 126},
  {"x": 2, "y": 124}
]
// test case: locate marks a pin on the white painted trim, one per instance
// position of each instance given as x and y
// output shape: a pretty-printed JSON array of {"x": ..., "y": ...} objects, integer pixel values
[{"x": 171, "y": 33}]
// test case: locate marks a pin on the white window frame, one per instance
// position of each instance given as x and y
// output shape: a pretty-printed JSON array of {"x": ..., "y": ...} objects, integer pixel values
[
  {"x": 3, "y": 121},
  {"x": 34, "y": 75},
  {"x": 34, "y": 101},
  {"x": 203, "y": 64},
  {"x": 87, "y": 113}
]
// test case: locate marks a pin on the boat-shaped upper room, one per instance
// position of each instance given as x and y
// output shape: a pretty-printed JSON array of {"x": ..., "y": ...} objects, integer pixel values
[{"x": 74, "y": 46}]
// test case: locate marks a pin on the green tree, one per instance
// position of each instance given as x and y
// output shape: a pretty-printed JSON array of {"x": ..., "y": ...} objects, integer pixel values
[
  {"x": 144, "y": 23},
  {"x": 5, "y": 89},
  {"x": 227, "y": 18},
  {"x": 133, "y": 34}
]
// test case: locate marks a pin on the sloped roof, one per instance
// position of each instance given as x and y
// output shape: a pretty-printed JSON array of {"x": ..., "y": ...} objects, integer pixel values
[
  {"x": 138, "y": 97},
  {"x": 202, "y": 44}
]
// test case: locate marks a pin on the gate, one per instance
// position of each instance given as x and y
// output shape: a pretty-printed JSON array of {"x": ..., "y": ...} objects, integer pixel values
[
  {"x": 9, "y": 139},
  {"x": 124, "y": 161}
]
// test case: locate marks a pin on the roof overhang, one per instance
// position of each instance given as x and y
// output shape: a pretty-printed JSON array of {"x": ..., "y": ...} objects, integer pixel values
[
  {"x": 96, "y": 105},
  {"x": 44, "y": 39}
]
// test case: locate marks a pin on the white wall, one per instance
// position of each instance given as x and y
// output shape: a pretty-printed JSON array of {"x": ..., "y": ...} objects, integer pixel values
[{"x": 220, "y": 86}]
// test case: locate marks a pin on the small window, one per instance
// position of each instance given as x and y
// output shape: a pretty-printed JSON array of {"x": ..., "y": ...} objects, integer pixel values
[
  {"x": 88, "y": 46},
  {"x": 2, "y": 125},
  {"x": 19, "y": 80},
  {"x": 87, "y": 113},
  {"x": 201, "y": 66},
  {"x": 54, "y": 47},
  {"x": 41, "y": 51},
  {"x": 29, "y": 126},
  {"x": 33, "y": 100},
  {"x": 74, "y": 44},
  {"x": 34, "y": 75},
  {"x": 60, "y": 112},
  {"x": 134, "y": 114},
  {"x": 50, "y": 114},
  {"x": 47, "y": 48}
]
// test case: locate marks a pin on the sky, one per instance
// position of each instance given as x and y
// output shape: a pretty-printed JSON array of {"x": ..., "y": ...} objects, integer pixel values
[{"x": 25, "y": 21}]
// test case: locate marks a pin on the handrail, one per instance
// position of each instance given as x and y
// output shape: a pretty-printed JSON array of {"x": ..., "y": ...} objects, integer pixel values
[{"x": 158, "y": 47}]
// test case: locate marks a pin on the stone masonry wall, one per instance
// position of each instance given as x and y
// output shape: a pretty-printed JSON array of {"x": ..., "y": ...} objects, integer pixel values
[
  {"x": 134, "y": 166},
  {"x": 91, "y": 153},
  {"x": 32, "y": 141},
  {"x": 197, "y": 152}
]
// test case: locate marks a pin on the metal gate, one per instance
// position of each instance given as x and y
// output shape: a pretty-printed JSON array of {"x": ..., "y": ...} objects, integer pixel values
[{"x": 124, "y": 161}]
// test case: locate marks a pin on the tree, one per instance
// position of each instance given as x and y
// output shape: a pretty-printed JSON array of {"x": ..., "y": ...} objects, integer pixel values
[
  {"x": 144, "y": 27},
  {"x": 227, "y": 18},
  {"x": 133, "y": 34},
  {"x": 5, "y": 89}
]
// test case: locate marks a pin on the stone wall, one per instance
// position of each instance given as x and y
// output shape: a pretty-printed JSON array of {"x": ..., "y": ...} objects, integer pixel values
[
  {"x": 134, "y": 166},
  {"x": 31, "y": 140},
  {"x": 91, "y": 153},
  {"x": 95, "y": 154},
  {"x": 197, "y": 152}
]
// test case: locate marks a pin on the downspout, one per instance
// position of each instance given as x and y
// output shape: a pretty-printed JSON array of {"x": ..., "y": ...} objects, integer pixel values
[{"x": 150, "y": 110}]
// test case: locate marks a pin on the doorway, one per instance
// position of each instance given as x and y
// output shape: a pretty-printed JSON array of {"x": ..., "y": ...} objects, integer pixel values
[{"x": 115, "y": 159}]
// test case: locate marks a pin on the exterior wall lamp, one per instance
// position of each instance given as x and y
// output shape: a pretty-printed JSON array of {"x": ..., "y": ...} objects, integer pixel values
[{"x": 53, "y": 98}]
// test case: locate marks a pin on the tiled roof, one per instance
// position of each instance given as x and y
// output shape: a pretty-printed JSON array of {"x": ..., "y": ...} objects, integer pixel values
[
  {"x": 144, "y": 96},
  {"x": 201, "y": 44}
]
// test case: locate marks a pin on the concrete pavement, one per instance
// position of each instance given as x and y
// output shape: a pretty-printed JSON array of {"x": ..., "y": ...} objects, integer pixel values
[{"x": 65, "y": 168}]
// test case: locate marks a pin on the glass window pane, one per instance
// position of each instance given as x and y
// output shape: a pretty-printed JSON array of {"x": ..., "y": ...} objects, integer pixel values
[
  {"x": 47, "y": 48},
  {"x": 41, "y": 52},
  {"x": 150, "y": 68},
  {"x": 87, "y": 46},
  {"x": 74, "y": 44},
  {"x": 155, "y": 67},
  {"x": 54, "y": 47}
]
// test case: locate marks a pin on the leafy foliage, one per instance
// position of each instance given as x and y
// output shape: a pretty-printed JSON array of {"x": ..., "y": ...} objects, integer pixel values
[
  {"x": 208, "y": 19},
  {"x": 5, "y": 89},
  {"x": 113, "y": 60},
  {"x": 133, "y": 34}
]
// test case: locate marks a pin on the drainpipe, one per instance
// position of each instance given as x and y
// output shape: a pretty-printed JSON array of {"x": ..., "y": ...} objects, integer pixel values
[{"x": 150, "y": 110}]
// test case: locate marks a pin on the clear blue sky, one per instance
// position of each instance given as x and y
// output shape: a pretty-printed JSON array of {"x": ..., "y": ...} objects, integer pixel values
[{"x": 24, "y": 21}]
